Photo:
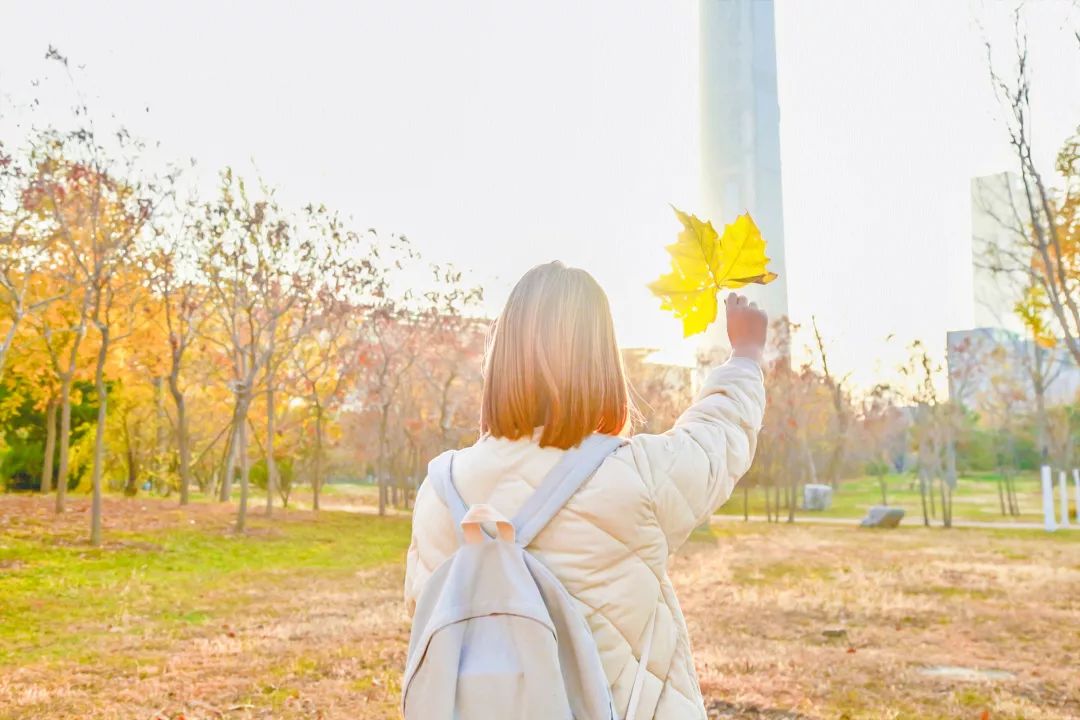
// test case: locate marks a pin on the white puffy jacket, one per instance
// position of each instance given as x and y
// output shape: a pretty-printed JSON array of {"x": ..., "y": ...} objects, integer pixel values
[{"x": 610, "y": 544}]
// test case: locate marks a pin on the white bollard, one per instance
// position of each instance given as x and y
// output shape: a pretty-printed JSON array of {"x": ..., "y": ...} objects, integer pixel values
[
  {"x": 1063, "y": 488},
  {"x": 1048, "y": 499}
]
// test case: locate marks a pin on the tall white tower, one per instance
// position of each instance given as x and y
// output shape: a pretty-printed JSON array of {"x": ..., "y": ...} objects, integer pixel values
[{"x": 740, "y": 129}]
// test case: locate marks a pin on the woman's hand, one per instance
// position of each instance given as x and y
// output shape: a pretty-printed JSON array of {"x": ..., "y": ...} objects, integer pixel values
[{"x": 747, "y": 327}]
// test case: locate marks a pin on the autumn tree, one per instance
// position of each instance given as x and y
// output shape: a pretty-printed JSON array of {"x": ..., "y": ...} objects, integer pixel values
[
  {"x": 1064, "y": 434},
  {"x": 1006, "y": 399},
  {"x": 324, "y": 361},
  {"x": 882, "y": 430},
  {"x": 340, "y": 279},
  {"x": 406, "y": 328},
  {"x": 260, "y": 264},
  {"x": 661, "y": 392},
  {"x": 178, "y": 287},
  {"x": 932, "y": 428},
  {"x": 452, "y": 365},
  {"x": 1040, "y": 357},
  {"x": 840, "y": 421},
  {"x": 99, "y": 207},
  {"x": 793, "y": 429},
  {"x": 25, "y": 251},
  {"x": 26, "y": 247},
  {"x": 1043, "y": 219},
  {"x": 63, "y": 327}
]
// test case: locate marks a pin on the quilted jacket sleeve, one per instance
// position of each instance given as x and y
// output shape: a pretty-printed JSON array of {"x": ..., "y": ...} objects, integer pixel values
[
  {"x": 692, "y": 469},
  {"x": 433, "y": 540}
]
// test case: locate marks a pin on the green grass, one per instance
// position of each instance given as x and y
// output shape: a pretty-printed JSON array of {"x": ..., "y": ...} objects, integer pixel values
[
  {"x": 768, "y": 574},
  {"x": 976, "y": 498},
  {"x": 56, "y": 598}
]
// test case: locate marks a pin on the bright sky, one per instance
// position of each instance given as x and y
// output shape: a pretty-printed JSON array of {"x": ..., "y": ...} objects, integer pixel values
[{"x": 498, "y": 134}]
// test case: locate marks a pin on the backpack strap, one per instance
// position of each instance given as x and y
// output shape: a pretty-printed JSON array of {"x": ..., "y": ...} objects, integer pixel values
[
  {"x": 642, "y": 668},
  {"x": 441, "y": 477},
  {"x": 571, "y": 471}
]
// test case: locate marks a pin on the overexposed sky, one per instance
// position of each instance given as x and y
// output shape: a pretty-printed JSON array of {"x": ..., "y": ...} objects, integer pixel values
[{"x": 498, "y": 134}]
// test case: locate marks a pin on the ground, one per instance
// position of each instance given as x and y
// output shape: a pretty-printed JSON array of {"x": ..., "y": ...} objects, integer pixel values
[{"x": 178, "y": 617}]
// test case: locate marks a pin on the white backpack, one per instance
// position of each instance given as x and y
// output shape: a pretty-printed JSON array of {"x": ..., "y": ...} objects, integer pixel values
[{"x": 495, "y": 635}]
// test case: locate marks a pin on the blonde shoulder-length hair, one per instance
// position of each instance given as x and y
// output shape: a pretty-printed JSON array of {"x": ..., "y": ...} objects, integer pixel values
[{"x": 552, "y": 362}]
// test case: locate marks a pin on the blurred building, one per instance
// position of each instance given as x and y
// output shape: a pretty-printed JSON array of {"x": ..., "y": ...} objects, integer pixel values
[
  {"x": 992, "y": 369},
  {"x": 991, "y": 366},
  {"x": 998, "y": 218},
  {"x": 740, "y": 130}
]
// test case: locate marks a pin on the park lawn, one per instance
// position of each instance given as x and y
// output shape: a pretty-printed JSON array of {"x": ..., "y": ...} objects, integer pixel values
[
  {"x": 342, "y": 496},
  {"x": 175, "y": 568},
  {"x": 976, "y": 498},
  {"x": 813, "y": 621},
  {"x": 302, "y": 617}
]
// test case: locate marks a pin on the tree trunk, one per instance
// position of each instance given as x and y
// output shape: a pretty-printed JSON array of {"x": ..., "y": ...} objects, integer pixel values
[
  {"x": 65, "y": 442},
  {"x": 183, "y": 439},
  {"x": 948, "y": 500},
  {"x": 230, "y": 461},
  {"x": 836, "y": 459},
  {"x": 271, "y": 465},
  {"x": 130, "y": 485},
  {"x": 922, "y": 497},
  {"x": 1010, "y": 487},
  {"x": 811, "y": 466},
  {"x": 159, "y": 431},
  {"x": 316, "y": 480},
  {"x": 1006, "y": 482},
  {"x": 946, "y": 510},
  {"x": 99, "y": 439},
  {"x": 930, "y": 495},
  {"x": 768, "y": 503},
  {"x": 950, "y": 460},
  {"x": 793, "y": 489},
  {"x": 50, "y": 447},
  {"x": 414, "y": 478},
  {"x": 746, "y": 503},
  {"x": 1001, "y": 489},
  {"x": 383, "y": 421},
  {"x": 1042, "y": 432},
  {"x": 242, "y": 455}
]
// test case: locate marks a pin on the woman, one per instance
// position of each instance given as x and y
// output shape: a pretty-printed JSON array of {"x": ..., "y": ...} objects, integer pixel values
[{"x": 552, "y": 377}]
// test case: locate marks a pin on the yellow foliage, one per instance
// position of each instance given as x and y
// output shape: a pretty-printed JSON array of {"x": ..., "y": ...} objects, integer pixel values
[
  {"x": 703, "y": 263},
  {"x": 1032, "y": 308}
]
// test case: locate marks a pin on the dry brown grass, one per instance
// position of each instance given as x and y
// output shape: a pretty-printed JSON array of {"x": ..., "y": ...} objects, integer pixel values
[
  {"x": 321, "y": 651},
  {"x": 758, "y": 599},
  {"x": 895, "y": 604}
]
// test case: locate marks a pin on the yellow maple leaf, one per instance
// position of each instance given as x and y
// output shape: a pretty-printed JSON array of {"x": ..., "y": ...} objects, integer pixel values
[{"x": 703, "y": 263}]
